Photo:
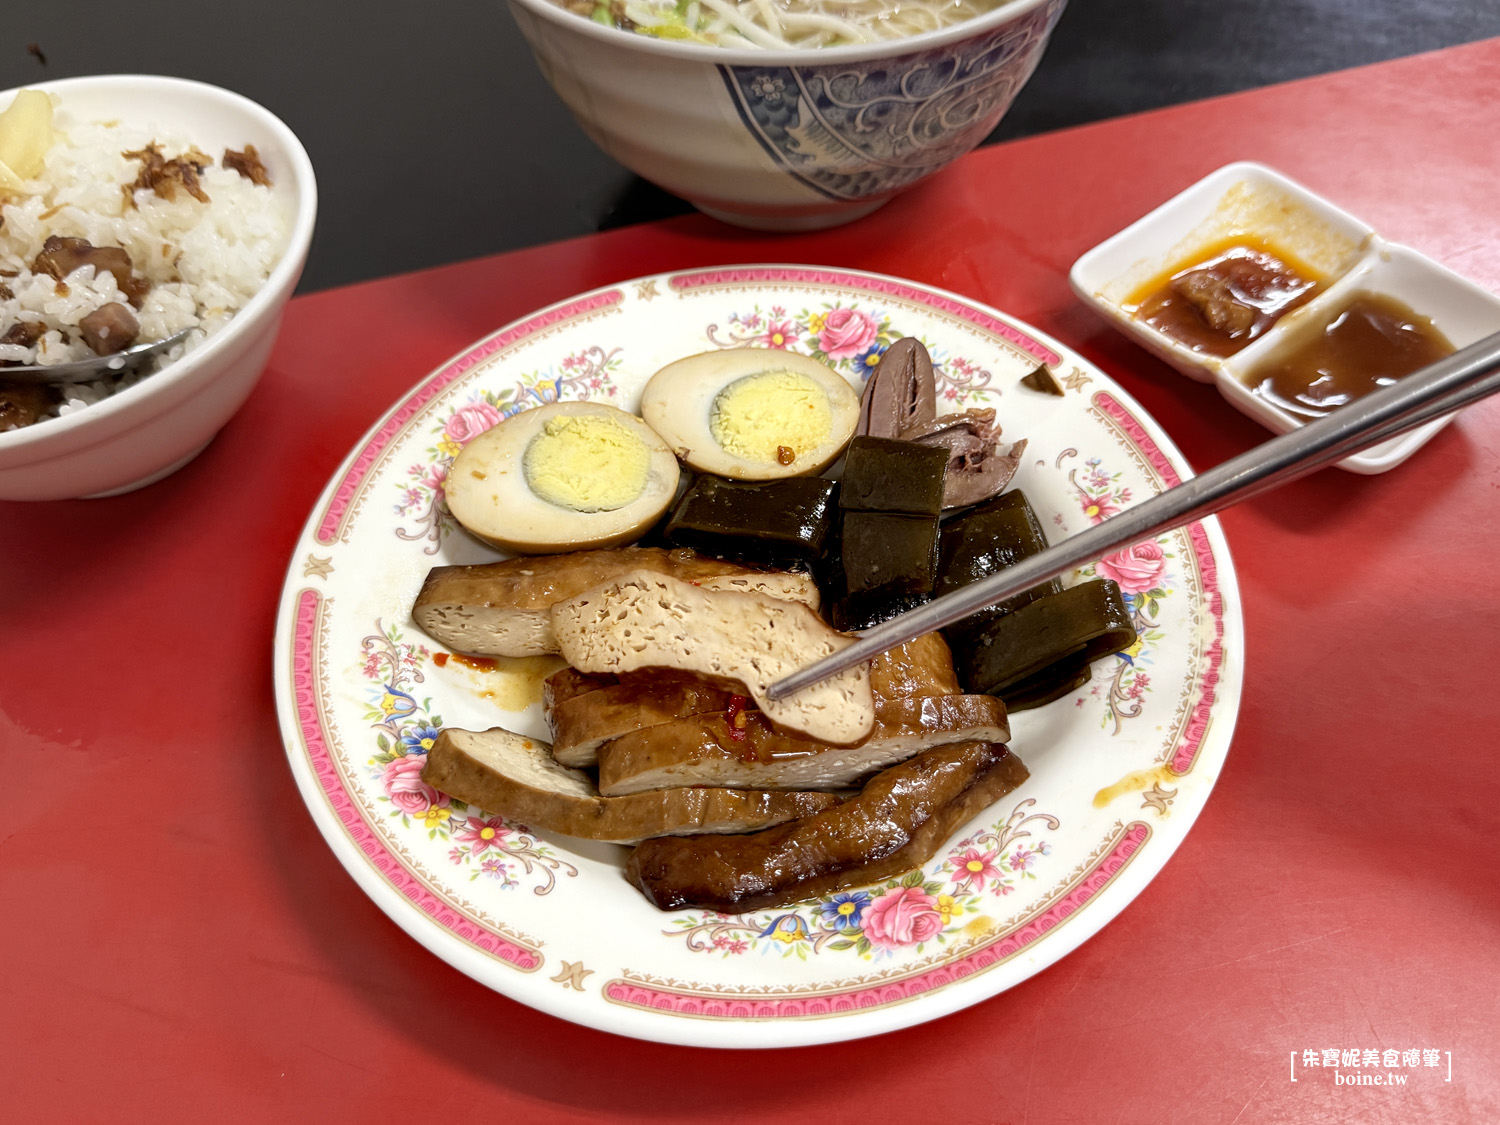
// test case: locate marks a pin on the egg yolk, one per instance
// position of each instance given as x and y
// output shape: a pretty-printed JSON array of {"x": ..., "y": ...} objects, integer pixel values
[
  {"x": 772, "y": 417},
  {"x": 587, "y": 463}
]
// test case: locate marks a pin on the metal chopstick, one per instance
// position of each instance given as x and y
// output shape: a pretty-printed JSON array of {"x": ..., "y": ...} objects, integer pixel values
[{"x": 1447, "y": 385}]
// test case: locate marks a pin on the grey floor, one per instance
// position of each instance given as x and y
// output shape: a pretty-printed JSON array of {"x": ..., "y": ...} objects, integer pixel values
[{"x": 435, "y": 138}]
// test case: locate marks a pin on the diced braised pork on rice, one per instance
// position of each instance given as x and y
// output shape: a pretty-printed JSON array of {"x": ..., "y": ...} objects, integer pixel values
[{"x": 124, "y": 235}]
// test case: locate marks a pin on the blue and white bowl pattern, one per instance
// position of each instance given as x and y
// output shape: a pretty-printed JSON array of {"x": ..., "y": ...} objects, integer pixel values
[{"x": 858, "y": 131}]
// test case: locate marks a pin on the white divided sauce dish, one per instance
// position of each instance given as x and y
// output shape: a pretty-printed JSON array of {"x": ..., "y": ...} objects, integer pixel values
[{"x": 1247, "y": 199}]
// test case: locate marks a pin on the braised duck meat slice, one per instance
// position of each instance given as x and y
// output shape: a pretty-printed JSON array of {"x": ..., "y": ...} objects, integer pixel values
[
  {"x": 897, "y": 822},
  {"x": 504, "y": 608},
  {"x": 516, "y": 777}
]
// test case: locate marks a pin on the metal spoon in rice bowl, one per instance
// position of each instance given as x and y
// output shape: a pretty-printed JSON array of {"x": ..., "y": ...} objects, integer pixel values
[{"x": 95, "y": 367}]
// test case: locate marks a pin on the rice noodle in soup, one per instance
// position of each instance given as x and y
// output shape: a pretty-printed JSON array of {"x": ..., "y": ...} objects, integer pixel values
[{"x": 780, "y": 24}]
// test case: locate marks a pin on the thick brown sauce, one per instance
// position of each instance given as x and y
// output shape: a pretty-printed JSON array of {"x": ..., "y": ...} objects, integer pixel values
[
  {"x": 1370, "y": 343},
  {"x": 1227, "y": 296}
]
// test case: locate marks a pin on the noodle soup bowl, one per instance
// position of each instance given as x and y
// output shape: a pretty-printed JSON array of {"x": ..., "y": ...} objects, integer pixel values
[{"x": 788, "y": 138}]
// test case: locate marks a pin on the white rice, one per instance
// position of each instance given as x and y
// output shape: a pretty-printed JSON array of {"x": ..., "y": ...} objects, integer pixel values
[{"x": 204, "y": 260}]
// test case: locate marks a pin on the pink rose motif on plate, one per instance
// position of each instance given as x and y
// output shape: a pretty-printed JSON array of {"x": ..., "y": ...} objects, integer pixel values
[
  {"x": 1137, "y": 569},
  {"x": 408, "y": 792},
  {"x": 846, "y": 333},
  {"x": 468, "y": 422},
  {"x": 904, "y": 916}
]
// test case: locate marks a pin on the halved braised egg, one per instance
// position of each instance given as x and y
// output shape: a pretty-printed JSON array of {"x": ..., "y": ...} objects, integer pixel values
[
  {"x": 565, "y": 476},
  {"x": 752, "y": 413}
]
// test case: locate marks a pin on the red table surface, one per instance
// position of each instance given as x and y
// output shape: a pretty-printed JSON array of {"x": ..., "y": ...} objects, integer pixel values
[{"x": 179, "y": 942}]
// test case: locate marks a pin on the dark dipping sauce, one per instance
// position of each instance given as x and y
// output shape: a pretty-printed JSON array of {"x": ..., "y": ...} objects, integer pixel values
[
  {"x": 1370, "y": 343},
  {"x": 1235, "y": 290}
]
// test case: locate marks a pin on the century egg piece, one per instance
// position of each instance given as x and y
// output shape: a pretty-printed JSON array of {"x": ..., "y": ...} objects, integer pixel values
[
  {"x": 562, "y": 477},
  {"x": 752, "y": 413}
]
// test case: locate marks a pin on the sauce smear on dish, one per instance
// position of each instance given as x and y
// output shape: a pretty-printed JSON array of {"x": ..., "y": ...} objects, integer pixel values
[
  {"x": 1368, "y": 344},
  {"x": 1227, "y": 296}
]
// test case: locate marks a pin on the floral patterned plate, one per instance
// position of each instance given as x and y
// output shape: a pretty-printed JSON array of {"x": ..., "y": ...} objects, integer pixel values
[{"x": 1119, "y": 770}]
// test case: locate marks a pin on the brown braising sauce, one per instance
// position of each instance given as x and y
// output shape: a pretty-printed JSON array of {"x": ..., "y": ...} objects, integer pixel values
[
  {"x": 1371, "y": 341},
  {"x": 1226, "y": 296},
  {"x": 511, "y": 682}
]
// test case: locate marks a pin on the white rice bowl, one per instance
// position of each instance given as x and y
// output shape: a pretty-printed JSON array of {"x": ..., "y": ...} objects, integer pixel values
[
  {"x": 204, "y": 261},
  {"x": 151, "y": 429}
]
